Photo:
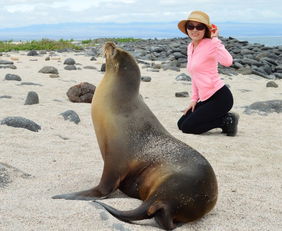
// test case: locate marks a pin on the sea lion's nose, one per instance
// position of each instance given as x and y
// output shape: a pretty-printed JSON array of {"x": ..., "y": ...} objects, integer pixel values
[{"x": 109, "y": 49}]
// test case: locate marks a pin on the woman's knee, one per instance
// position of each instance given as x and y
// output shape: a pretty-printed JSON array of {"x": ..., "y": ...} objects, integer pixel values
[
  {"x": 189, "y": 128},
  {"x": 180, "y": 122}
]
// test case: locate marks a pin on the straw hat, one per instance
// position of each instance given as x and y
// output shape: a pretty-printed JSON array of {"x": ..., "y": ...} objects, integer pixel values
[{"x": 198, "y": 16}]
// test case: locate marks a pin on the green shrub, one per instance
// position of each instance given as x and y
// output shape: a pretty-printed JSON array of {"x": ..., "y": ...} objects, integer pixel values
[
  {"x": 47, "y": 44},
  {"x": 86, "y": 41},
  {"x": 122, "y": 40},
  {"x": 44, "y": 44}
]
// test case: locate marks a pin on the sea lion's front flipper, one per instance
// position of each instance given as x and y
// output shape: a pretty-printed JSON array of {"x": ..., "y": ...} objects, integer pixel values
[
  {"x": 109, "y": 183},
  {"x": 86, "y": 195}
]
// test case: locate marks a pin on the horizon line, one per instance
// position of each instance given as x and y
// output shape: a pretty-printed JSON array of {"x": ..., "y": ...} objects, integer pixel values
[{"x": 128, "y": 23}]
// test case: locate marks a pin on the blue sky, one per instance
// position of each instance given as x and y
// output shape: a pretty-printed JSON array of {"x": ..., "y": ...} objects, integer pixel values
[{"x": 18, "y": 13}]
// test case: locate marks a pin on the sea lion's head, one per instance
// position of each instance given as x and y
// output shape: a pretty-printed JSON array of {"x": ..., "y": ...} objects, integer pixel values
[{"x": 123, "y": 67}]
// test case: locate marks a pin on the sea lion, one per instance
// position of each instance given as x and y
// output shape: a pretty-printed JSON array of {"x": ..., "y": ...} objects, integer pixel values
[{"x": 141, "y": 158}]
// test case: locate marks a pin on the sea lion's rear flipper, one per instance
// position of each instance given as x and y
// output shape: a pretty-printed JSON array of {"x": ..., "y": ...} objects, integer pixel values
[
  {"x": 162, "y": 215},
  {"x": 146, "y": 210},
  {"x": 139, "y": 213}
]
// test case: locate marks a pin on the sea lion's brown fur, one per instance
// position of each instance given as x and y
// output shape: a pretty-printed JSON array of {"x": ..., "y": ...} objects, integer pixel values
[{"x": 176, "y": 183}]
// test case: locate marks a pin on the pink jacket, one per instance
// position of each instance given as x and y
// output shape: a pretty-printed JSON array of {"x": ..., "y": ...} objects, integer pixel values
[{"x": 202, "y": 66}]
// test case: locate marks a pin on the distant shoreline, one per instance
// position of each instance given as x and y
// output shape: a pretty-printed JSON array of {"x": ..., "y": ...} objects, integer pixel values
[
  {"x": 267, "y": 34},
  {"x": 264, "y": 40}
]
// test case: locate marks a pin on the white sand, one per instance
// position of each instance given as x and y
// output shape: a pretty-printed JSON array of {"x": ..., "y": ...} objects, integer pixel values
[{"x": 64, "y": 157}]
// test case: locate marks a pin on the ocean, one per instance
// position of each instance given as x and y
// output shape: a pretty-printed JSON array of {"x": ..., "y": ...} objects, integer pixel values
[
  {"x": 266, "y": 40},
  {"x": 263, "y": 33}
]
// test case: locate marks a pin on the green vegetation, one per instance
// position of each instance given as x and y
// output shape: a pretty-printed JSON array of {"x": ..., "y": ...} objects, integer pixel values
[
  {"x": 88, "y": 41},
  {"x": 47, "y": 44},
  {"x": 117, "y": 40},
  {"x": 125, "y": 40},
  {"x": 44, "y": 44}
]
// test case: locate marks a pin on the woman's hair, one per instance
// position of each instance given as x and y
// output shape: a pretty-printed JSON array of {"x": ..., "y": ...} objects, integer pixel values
[{"x": 207, "y": 31}]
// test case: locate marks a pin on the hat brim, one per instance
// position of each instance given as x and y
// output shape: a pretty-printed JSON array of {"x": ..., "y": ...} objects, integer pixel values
[{"x": 181, "y": 26}]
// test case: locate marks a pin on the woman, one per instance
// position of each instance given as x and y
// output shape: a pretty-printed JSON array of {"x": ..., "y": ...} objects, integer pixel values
[{"x": 211, "y": 99}]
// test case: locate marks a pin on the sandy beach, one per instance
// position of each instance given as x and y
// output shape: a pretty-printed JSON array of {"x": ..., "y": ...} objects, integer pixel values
[{"x": 64, "y": 157}]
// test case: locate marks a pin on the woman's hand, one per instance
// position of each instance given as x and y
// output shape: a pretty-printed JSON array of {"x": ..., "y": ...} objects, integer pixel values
[
  {"x": 214, "y": 31},
  {"x": 191, "y": 106}
]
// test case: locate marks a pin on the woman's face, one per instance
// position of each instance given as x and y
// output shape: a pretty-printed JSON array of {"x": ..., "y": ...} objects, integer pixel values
[{"x": 196, "y": 30}]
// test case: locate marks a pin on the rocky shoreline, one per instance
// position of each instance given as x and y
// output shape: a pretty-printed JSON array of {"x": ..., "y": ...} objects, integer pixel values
[
  {"x": 248, "y": 58},
  {"x": 171, "y": 54}
]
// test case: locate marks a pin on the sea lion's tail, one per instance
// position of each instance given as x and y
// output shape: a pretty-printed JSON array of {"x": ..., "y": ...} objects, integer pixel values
[{"x": 139, "y": 213}]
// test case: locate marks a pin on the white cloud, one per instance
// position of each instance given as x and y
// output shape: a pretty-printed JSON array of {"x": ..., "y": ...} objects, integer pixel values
[
  {"x": 13, "y": 6},
  {"x": 19, "y": 8},
  {"x": 26, "y": 12}
]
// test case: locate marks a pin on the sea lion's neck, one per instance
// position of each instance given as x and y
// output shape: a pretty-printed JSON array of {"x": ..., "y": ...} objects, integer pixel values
[
  {"x": 116, "y": 90},
  {"x": 123, "y": 85}
]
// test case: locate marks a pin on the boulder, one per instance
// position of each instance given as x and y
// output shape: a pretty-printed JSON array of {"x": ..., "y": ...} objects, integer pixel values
[
  {"x": 181, "y": 94},
  {"x": 271, "y": 84},
  {"x": 32, "y": 98},
  {"x": 69, "y": 61},
  {"x": 71, "y": 116},
  {"x": 146, "y": 78},
  {"x": 49, "y": 70},
  {"x": 70, "y": 67},
  {"x": 32, "y": 53},
  {"x": 12, "y": 77},
  {"x": 20, "y": 122},
  {"x": 269, "y": 106},
  {"x": 183, "y": 77},
  {"x": 81, "y": 93}
]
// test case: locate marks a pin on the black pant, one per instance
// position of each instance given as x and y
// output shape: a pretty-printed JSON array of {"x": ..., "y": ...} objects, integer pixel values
[{"x": 208, "y": 114}]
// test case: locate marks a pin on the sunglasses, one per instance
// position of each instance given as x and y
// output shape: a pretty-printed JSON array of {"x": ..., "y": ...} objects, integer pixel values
[{"x": 198, "y": 27}]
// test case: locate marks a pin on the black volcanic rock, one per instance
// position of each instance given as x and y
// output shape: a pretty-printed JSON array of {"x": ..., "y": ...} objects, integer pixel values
[{"x": 20, "y": 122}]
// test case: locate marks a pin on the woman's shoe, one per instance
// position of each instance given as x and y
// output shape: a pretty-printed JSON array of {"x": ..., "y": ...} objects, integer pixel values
[{"x": 230, "y": 124}]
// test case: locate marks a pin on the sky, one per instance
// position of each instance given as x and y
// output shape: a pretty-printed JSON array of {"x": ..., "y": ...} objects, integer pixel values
[{"x": 19, "y": 13}]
